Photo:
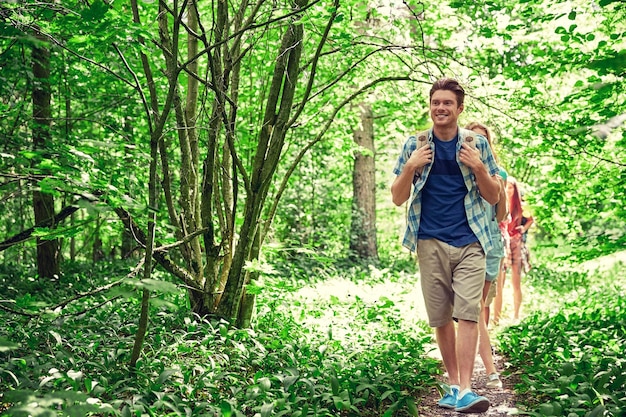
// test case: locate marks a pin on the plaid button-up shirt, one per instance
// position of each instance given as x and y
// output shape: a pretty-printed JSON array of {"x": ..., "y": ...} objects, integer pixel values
[{"x": 476, "y": 208}]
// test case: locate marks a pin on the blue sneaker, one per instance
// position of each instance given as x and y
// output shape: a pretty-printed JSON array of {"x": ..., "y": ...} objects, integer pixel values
[
  {"x": 449, "y": 400},
  {"x": 472, "y": 403}
]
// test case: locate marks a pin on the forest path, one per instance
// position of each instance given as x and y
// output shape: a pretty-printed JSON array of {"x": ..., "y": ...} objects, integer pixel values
[
  {"x": 503, "y": 400},
  {"x": 407, "y": 298}
]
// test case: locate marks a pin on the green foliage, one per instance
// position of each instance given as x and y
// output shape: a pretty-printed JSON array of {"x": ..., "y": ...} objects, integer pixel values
[
  {"x": 73, "y": 404},
  {"x": 366, "y": 359},
  {"x": 564, "y": 120},
  {"x": 547, "y": 280},
  {"x": 326, "y": 339},
  {"x": 570, "y": 361}
]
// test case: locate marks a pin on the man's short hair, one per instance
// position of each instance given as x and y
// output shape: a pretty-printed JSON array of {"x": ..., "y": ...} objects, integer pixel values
[{"x": 451, "y": 85}]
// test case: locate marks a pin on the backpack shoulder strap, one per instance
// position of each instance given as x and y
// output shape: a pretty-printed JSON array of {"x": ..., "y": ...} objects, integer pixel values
[
  {"x": 421, "y": 141},
  {"x": 422, "y": 138},
  {"x": 469, "y": 136}
]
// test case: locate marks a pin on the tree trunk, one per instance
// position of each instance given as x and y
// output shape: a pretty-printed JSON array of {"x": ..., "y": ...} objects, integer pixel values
[
  {"x": 276, "y": 121},
  {"x": 363, "y": 227},
  {"x": 43, "y": 204},
  {"x": 248, "y": 300},
  {"x": 72, "y": 240},
  {"x": 97, "y": 253}
]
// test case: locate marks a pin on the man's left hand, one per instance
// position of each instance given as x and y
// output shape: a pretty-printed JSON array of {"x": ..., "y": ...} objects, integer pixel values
[{"x": 470, "y": 157}]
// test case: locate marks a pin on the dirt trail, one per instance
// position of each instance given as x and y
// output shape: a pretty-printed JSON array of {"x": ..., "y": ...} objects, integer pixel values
[
  {"x": 502, "y": 400},
  {"x": 408, "y": 299}
]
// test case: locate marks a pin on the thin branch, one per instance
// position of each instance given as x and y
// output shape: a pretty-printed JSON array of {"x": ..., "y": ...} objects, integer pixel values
[
  {"x": 319, "y": 136},
  {"x": 76, "y": 297},
  {"x": 249, "y": 28},
  {"x": 137, "y": 85},
  {"x": 186, "y": 239},
  {"x": 314, "y": 62}
]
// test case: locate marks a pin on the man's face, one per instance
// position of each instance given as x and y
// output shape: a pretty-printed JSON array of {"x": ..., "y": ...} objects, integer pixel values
[{"x": 444, "y": 109}]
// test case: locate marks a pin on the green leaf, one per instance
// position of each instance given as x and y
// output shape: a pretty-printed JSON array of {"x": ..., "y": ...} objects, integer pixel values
[
  {"x": 546, "y": 410},
  {"x": 605, "y": 3},
  {"x": 289, "y": 381},
  {"x": 226, "y": 409},
  {"x": 7, "y": 345},
  {"x": 265, "y": 384},
  {"x": 164, "y": 376},
  {"x": 334, "y": 384},
  {"x": 598, "y": 411},
  {"x": 266, "y": 409},
  {"x": 96, "y": 11},
  {"x": 410, "y": 404},
  {"x": 154, "y": 285}
]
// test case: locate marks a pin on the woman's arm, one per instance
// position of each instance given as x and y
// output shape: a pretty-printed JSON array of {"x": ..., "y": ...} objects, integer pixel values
[{"x": 502, "y": 206}]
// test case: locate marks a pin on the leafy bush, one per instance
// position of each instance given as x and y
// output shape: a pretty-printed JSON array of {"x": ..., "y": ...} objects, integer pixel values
[
  {"x": 77, "y": 363},
  {"x": 545, "y": 279},
  {"x": 572, "y": 363}
]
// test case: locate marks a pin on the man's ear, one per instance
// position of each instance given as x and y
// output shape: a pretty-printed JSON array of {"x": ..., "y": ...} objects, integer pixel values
[{"x": 461, "y": 108}]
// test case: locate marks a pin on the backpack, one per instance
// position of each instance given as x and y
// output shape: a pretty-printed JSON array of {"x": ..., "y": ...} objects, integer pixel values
[{"x": 422, "y": 140}]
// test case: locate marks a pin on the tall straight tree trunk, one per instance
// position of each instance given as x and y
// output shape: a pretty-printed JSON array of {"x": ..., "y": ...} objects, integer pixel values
[
  {"x": 363, "y": 228},
  {"x": 43, "y": 204},
  {"x": 127, "y": 241},
  {"x": 67, "y": 88}
]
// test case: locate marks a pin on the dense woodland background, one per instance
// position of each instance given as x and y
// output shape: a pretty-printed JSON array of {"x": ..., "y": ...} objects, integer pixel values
[{"x": 182, "y": 165}]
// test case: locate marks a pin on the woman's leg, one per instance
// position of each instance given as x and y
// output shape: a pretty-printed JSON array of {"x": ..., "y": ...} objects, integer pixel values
[
  {"x": 516, "y": 275},
  {"x": 497, "y": 302},
  {"x": 484, "y": 343},
  {"x": 516, "y": 281}
]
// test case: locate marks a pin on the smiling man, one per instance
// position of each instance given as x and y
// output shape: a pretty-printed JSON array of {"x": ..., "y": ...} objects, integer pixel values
[{"x": 450, "y": 183}]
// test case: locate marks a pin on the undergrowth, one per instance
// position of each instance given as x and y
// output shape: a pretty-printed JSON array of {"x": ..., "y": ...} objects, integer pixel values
[
  {"x": 74, "y": 360},
  {"x": 327, "y": 340},
  {"x": 569, "y": 356}
]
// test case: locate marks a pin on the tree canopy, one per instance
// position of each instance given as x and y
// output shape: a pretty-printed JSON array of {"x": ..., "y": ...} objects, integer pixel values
[{"x": 213, "y": 121}]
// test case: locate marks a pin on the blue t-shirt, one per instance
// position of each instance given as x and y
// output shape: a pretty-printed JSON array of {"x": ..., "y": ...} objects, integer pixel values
[{"x": 443, "y": 211}]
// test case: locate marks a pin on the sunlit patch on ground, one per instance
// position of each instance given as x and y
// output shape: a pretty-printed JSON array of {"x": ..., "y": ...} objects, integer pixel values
[{"x": 354, "y": 311}]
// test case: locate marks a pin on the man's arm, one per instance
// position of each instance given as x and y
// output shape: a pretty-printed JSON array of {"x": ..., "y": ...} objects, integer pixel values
[
  {"x": 401, "y": 187},
  {"x": 488, "y": 186}
]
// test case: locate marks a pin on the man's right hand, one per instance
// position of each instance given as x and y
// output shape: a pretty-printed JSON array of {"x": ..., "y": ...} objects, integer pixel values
[
  {"x": 401, "y": 187},
  {"x": 420, "y": 158}
]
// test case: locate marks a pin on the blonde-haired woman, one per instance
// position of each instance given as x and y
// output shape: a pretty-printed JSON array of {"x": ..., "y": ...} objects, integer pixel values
[{"x": 493, "y": 265}]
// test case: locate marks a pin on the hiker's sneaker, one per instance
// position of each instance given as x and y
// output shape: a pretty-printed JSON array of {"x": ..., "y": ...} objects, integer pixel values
[
  {"x": 471, "y": 403},
  {"x": 449, "y": 399},
  {"x": 493, "y": 381}
]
